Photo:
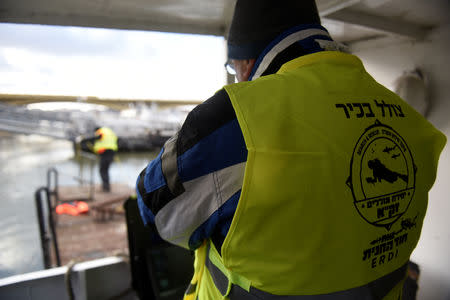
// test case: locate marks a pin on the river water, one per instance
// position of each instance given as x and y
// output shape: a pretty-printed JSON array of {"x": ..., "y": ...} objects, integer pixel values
[{"x": 24, "y": 161}]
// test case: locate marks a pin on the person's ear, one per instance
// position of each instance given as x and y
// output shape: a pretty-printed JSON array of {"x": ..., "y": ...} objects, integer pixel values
[
  {"x": 249, "y": 64},
  {"x": 243, "y": 68}
]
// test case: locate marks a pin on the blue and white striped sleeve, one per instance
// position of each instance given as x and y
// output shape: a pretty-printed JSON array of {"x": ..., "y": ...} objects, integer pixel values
[{"x": 191, "y": 190}]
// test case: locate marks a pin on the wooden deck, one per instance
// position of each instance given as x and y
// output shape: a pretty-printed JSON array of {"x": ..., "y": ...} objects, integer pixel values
[
  {"x": 74, "y": 193},
  {"x": 101, "y": 232}
]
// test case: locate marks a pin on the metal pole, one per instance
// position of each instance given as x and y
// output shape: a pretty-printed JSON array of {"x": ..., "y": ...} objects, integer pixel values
[
  {"x": 91, "y": 181},
  {"x": 45, "y": 239},
  {"x": 53, "y": 190},
  {"x": 45, "y": 235},
  {"x": 81, "y": 170},
  {"x": 52, "y": 228}
]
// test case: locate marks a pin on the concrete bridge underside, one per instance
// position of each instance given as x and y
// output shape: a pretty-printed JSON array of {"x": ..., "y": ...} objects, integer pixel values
[{"x": 118, "y": 104}]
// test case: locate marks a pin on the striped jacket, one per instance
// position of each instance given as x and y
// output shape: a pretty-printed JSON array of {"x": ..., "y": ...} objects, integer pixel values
[{"x": 191, "y": 190}]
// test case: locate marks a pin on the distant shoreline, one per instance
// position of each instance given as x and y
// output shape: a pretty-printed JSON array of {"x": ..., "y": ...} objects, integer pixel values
[{"x": 5, "y": 134}]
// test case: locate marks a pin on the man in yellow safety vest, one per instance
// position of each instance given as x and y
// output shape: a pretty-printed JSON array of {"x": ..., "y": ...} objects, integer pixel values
[
  {"x": 105, "y": 145},
  {"x": 307, "y": 179}
]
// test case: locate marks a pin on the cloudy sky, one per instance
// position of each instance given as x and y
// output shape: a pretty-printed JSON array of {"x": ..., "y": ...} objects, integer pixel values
[{"x": 37, "y": 59}]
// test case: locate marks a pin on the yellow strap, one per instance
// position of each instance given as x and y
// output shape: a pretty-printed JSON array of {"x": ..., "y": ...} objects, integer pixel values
[
  {"x": 189, "y": 297},
  {"x": 199, "y": 266}
]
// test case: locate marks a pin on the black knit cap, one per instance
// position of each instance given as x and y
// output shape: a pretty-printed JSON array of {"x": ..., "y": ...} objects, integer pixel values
[{"x": 257, "y": 22}]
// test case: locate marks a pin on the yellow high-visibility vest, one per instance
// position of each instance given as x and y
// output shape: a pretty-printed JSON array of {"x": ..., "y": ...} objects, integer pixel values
[
  {"x": 335, "y": 188},
  {"x": 108, "y": 141}
]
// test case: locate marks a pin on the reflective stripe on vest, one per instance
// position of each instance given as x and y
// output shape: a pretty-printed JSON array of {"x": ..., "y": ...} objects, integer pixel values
[
  {"x": 192, "y": 290},
  {"x": 374, "y": 290}
]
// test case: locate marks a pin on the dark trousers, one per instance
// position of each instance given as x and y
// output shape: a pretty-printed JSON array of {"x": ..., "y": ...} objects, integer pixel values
[{"x": 106, "y": 158}]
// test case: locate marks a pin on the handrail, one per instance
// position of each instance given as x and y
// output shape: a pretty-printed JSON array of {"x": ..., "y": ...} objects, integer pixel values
[
  {"x": 92, "y": 159},
  {"x": 88, "y": 155},
  {"x": 52, "y": 185},
  {"x": 53, "y": 190},
  {"x": 43, "y": 207}
]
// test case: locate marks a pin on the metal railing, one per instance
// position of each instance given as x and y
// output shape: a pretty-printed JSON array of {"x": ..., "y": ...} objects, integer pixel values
[
  {"x": 47, "y": 199},
  {"x": 46, "y": 226},
  {"x": 92, "y": 159},
  {"x": 53, "y": 178}
]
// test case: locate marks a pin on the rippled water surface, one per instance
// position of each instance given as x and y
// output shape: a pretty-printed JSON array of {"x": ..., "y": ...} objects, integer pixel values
[{"x": 24, "y": 161}]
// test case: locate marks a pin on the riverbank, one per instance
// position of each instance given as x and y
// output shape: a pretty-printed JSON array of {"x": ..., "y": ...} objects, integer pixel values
[{"x": 25, "y": 161}]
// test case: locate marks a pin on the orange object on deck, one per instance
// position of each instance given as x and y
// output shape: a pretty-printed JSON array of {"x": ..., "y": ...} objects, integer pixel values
[
  {"x": 73, "y": 209},
  {"x": 82, "y": 207}
]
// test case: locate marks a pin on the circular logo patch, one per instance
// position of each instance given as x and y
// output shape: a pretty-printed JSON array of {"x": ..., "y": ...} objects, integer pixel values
[{"x": 382, "y": 175}]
